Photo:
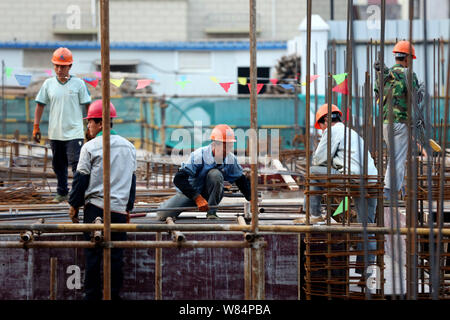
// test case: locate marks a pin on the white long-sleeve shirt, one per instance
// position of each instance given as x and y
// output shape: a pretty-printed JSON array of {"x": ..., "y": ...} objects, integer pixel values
[{"x": 337, "y": 151}]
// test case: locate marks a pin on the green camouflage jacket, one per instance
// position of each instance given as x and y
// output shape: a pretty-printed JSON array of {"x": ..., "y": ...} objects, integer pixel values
[{"x": 395, "y": 79}]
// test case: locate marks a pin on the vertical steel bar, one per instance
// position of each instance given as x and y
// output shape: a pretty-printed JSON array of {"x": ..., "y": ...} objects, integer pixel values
[
  {"x": 104, "y": 20},
  {"x": 253, "y": 118},
  {"x": 411, "y": 292},
  {"x": 440, "y": 218},
  {"x": 53, "y": 278},
  {"x": 158, "y": 269},
  {"x": 307, "y": 142}
]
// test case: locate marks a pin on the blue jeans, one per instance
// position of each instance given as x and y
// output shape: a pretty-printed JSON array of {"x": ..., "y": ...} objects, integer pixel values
[
  {"x": 65, "y": 153},
  {"x": 212, "y": 192},
  {"x": 315, "y": 210}
]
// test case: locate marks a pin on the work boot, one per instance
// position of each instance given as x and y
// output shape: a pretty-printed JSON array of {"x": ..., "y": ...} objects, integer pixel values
[
  {"x": 60, "y": 198},
  {"x": 312, "y": 220},
  {"x": 211, "y": 215}
]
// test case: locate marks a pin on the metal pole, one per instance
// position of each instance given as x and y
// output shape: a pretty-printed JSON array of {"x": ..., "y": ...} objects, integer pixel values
[
  {"x": 307, "y": 140},
  {"x": 158, "y": 269},
  {"x": 53, "y": 278},
  {"x": 3, "y": 101},
  {"x": 253, "y": 119},
  {"x": 104, "y": 20}
]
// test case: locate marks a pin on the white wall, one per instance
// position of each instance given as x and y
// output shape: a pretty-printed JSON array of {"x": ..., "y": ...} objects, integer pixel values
[{"x": 163, "y": 64}]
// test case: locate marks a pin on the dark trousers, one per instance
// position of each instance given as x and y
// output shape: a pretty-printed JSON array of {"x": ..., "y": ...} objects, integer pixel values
[
  {"x": 65, "y": 153},
  {"x": 93, "y": 257}
]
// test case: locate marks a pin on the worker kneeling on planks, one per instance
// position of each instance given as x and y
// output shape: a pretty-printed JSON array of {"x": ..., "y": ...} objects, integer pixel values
[
  {"x": 87, "y": 191},
  {"x": 199, "y": 181}
]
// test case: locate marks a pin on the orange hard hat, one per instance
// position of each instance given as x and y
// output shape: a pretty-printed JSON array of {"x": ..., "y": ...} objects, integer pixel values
[
  {"x": 323, "y": 111},
  {"x": 403, "y": 47},
  {"x": 62, "y": 56},
  {"x": 223, "y": 132},
  {"x": 96, "y": 110}
]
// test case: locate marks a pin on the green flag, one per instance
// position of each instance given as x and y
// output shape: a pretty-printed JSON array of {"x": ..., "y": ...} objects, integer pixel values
[
  {"x": 341, "y": 209},
  {"x": 339, "y": 78},
  {"x": 8, "y": 71}
]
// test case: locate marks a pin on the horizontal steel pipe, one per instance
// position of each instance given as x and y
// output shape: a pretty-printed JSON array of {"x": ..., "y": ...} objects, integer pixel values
[
  {"x": 46, "y": 244},
  {"x": 126, "y": 244},
  {"x": 125, "y": 227}
]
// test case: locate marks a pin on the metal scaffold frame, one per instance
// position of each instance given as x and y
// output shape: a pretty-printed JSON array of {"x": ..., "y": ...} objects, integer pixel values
[{"x": 425, "y": 254}]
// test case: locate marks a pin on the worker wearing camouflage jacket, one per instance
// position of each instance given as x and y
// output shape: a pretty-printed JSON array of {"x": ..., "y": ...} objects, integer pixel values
[{"x": 395, "y": 95}]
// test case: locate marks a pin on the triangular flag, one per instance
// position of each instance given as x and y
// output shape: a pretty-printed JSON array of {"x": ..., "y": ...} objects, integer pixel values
[
  {"x": 98, "y": 74},
  {"x": 23, "y": 79},
  {"x": 49, "y": 72},
  {"x": 214, "y": 79},
  {"x": 287, "y": 86},
  {"x": 142, "y": 83},
  {"x": 8, "y": 71},
  {"x": 303, "y": 83},
  {"x": 274, "y": 81},
  {"x": 117, "y": 82},
  {"x": 92, "y": 81},
  {"x": 258, "y": 87},
  {"x": 341, "y": 88},
  {"x": 341, "y": 209},
  {"x": 313, "y": 77},
  {"x": 242, "y": 81},
  {"x": 226, "y": 85},
  {"x": 183, "y": 83},
  {"x": 339, "y": 77}
]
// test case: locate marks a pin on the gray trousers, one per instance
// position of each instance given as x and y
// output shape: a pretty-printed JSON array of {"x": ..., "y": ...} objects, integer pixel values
[
  {"x": 400, "y": 149},
  {"x": 315, "y": 210},
  {"x": 212, "y": 192}
]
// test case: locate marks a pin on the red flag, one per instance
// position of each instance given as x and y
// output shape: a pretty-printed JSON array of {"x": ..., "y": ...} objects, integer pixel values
[
  {"x": 226, "y": 85},
  {"x": 258, "y": 87},
  {"x": 92, "y": 82},
  {"x": 313, "y": 77},
  {"x": 142, "y": 83},
  {"x": 341, "y": 88},
  {"x": 274, "y": 81}
]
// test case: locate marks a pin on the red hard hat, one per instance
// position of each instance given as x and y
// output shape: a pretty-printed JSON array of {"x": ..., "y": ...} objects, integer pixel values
[
  {"x": 62, "y": 56},
  {"x": 223, "y": 132},
  {"x": 323, "y": 111},
  {"x": 96, "y": 110},
  {"x": 403, "y": 47}
]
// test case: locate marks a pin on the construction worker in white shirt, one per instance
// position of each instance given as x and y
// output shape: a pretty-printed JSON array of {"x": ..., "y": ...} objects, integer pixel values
[
  {"x": 87, "y": 192},
  {"x": 65, "y": 96},
  {"x": 339, "y": 158}
]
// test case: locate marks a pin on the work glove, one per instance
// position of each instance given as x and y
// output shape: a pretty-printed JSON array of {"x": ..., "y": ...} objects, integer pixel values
[
  {"x": 202, "y": 204},
  {"x": 36, "y": 133},
  {"x": 377, "y": 65},
  {"x": 73, "y": 214}
]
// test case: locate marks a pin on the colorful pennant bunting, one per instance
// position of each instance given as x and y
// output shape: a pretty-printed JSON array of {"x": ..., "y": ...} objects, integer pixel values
[
  {"x": 226, "y": 85},
  {"x": 259, "y": 86},
  {"x": 142, "y": 83},
  {"x": 117, "y": 82},
  {"x": 341, "y": 88},
  {"x": 23, "y": 79}
]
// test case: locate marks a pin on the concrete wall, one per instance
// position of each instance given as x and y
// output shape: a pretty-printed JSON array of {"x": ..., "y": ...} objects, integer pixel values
[{"x": 157, "y": 20}]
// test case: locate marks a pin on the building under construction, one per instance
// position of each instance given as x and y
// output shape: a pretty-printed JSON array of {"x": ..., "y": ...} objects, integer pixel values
[{"x": 256, "y": 249}]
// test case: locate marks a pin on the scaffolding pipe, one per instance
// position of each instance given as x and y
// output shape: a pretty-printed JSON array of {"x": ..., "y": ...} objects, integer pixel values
[
  {"x": 104, "y": 21},
  {"x": 253, "y": 119}
]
